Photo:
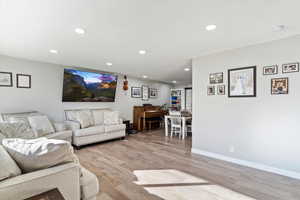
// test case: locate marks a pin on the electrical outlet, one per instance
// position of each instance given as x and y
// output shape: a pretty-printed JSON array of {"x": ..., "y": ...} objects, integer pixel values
[{"x": 231, "y": 149}]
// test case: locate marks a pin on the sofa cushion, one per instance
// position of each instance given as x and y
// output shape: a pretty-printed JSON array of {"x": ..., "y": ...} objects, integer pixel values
[
  {"x": 94, "y": 130},
  {"x": 62, "y": 135},
  {"x": 111, "y": 117},
  {"x": 113, "y": 128},
  {"x": 85, "y": 118},
  {"x": 98, "y": 115},
  {"x": 41, "y": 153},
  {"x": 89, "y": 184},
  {"x": 8, "y": 167},
  {"x": 16, "y": 130},
  {"x": 41, "y": 125}
]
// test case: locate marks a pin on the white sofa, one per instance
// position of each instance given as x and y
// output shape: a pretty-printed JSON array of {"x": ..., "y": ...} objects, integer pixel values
[
  {"x": 73, "y": 183},
  {"x": 60, "y": 128},
  {"x": 102, "y": 125}
]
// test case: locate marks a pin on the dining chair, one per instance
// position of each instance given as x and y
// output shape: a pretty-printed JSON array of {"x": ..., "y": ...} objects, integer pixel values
[{"x": 176, "y": 126}]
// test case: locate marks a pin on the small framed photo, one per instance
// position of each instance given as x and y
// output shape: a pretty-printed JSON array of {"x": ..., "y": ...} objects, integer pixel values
[
  {"x": 6, "y": 79},
  {"x": 270, "y": 70},
  {"x": 216, "y": 78},
  {"x": 136, "y": 92},
  {"x": 23, "y": 81},
  {"x": 211, "y": 90},
  {"x": 153, "y": 93},
  {"x": 290, "y": 68},
  {"x": 279, "y": 86},
  {"x": 221, "y": 89},
  {"x": 145, "y": 93}
]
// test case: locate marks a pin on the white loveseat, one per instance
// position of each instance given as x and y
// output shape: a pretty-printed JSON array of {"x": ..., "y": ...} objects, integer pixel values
[
  {"x": 60, "y": 128},
  {"x": 94, "y": 125}
]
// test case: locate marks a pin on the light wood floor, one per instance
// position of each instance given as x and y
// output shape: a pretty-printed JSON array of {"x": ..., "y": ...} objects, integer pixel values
[{"x": 114, "y": 163}]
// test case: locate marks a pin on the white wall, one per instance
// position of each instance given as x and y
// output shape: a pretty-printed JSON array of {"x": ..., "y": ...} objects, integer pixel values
[
  {"x": 46, "y": 92},
  {"x": 264, "y": 129}
]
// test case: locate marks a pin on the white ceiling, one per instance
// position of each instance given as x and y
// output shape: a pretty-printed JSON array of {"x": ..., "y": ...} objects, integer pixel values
[{"x": 172, "y": 31}]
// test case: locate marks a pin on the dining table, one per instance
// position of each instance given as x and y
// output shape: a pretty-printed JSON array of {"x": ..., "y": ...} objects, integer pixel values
[{"x": 184, "y": 119}]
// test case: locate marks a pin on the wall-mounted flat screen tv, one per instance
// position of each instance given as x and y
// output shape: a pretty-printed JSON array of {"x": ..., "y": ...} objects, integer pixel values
[{"x": 85, "y": 86}]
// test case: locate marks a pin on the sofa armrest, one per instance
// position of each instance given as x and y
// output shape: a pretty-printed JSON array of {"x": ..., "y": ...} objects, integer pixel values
[
  {"x": 72, "y": 125},
  {"x": 64, "y": 177},
  {"x": 60, "y": 126},
  {"x": 120, "y": 121}
]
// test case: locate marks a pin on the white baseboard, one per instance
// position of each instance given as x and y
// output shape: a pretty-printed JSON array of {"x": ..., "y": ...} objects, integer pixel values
[{"x": 263, "y": 167}]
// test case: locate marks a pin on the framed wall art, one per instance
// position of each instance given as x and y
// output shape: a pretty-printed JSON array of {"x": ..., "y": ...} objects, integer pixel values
[
  {"x": 290, "y": 68},
  {"x": 6, "y": 79},
  {"x": 145, "y": 93},
  {"x": 279, "y": 86},
  {"x": 136, "y": 92},
  {"x": 242, "y": 82},
  {"x": 23, "y": 81},
  {"x": 221, "y": 89},
  {"x": 153, "y": 93},
  {"x": 211, "y": 90},
  {"x": 216, "y": 78},
  {"x": 270, "y": 70}
]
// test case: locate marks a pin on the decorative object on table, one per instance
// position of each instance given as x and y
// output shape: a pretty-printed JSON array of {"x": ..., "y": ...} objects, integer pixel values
[
  {"x": 270, "y": 70},
  {"x": 136, "y": 92},
  {"x": 216, "y": 78},
  {"x": 153, "y": 93},
  {"x": 290, "y": 67},
  {"x": 145, "y": 93},
  {"x": 211, "y": 90},
  {"x": 279, "y": 86},
  {"x": 50, "y": 195},
  {"x": 221, "y": 89},
  {"x": 6, "y": 79},
  {"x": 23, "y": 81},
  {"x": 125, "y": 83},
  {"x": 242, "y": 82}
]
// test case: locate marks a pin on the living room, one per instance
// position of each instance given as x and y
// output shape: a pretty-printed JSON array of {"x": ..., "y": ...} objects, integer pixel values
[{"x": 120, "y": 100}]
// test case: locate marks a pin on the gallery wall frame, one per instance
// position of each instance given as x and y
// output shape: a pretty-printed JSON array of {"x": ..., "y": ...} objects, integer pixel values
[
  {"x": 279, "y": 86},
  {"x": 145, "y": 93},
  {"x": 136, "y": 92},
  {"x": 23, "y": 81},
  {"x": 216, "y": 78},
  {"x": 290, "y": 68},
  {"x": 6, "y": 79},
  {"x": 270, "y": 70},
  {"x": 242, "y": 82}
]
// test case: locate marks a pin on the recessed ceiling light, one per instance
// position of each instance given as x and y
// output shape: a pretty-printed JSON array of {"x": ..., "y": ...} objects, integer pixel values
[
  {"x": 144, "y": 76},
  {"x": 211, "y": 27},
  {"x": 174, "y": 81},
  {"x": 80, "y": 31},
  {"x": 109, "y": 64},
  {"x": 187, "y": 69},
  {"x": 142, "y": 52},
  {"x": 53, "y": 51}
]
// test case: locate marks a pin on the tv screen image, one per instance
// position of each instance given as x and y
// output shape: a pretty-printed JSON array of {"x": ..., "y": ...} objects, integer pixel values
[{"x": 84, "y": 86}]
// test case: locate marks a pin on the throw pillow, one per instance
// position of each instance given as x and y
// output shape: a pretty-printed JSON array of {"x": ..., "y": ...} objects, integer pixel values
[
  {"x": 111, "y": 117},
  {"x": 41, "y": 125},
  {"x": 41, "y": 153},
  {"x": 8, "y": 167},
  {"x": 16, "y": 130},
  {"x": 85, "y": 118},
  {"x": 98, "y": 115}
]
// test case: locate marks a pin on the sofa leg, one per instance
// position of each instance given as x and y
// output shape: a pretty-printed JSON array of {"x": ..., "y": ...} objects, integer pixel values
[{"x": 77, "y": 147}]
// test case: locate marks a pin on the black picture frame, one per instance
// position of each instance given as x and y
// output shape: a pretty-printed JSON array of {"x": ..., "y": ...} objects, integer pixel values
[
  {"x": 29, "y": 81},
  {"x": 286, "y": 72},
  {"x": 271, "y": 66},
  {"x": 11, "y": 79},
  {"x": 135, "y": 96},
  {"x": 155, "y": 92},
  {"x": 287, "y": 82},
  {"x": 253, "y": 68}
]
